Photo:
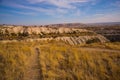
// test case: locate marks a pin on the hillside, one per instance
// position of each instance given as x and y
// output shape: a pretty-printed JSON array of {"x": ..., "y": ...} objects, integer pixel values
[
  {"x": 111, "y": 32},
  {"x": 51, "y": 60},
  {"x": 69, "y": 35},
  {"x": 58, "y": 53}
]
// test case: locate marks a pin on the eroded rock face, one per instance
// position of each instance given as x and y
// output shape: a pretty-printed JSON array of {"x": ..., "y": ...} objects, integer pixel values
[
  {"x": 81, "y": 39},
  {"x": 38, "y": 30},
  {"x": 69, "y": 35}
]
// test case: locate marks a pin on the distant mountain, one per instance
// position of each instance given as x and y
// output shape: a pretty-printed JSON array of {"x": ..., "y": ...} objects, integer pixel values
[
  {"x": 68, "y": 25},
  {"x": 105, "y": 23},
  {"x": 85, "y": 24},
  {"x": 72, "y": 24}
]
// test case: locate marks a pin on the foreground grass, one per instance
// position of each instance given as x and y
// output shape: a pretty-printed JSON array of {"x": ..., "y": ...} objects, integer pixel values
[
  {"x": 13, "y": 58},
  {"x": 65, "y": 62},
  {"x": 112, "y": 46},
  {"x": 60, "y": 61}
]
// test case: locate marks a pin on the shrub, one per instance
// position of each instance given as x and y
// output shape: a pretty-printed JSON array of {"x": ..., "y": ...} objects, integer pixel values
[{"x": 94, "y": 40}]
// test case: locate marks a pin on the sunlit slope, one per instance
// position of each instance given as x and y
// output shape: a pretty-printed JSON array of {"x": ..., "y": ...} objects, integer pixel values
[
  {"x": 58, "y": 60},
  {"x": 64, "y": 62},
  {"x": 13, "y": 60}
]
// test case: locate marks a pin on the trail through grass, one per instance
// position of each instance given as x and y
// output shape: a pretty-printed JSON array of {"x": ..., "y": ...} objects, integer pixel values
[
  {"x": 59, "y": 61},
  {"x": 33, "y": 71}
]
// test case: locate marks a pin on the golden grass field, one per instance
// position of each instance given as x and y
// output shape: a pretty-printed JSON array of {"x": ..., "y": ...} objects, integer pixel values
[{"x": 60, "y": 61}]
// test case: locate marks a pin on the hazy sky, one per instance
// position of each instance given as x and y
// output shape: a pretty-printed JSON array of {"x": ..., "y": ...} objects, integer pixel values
[{"x": 58, "y": 11}]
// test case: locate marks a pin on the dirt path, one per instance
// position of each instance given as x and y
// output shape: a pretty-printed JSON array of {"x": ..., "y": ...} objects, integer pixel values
[{"x": 33, "y": 71}]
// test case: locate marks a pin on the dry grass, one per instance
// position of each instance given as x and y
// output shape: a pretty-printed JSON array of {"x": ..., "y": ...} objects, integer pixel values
[
  {"x": 60, "y": 61},
  {"x": 65, "y": 62},
  {"x": 13, "y": 57},
  {"x": 109, "y": 45}
]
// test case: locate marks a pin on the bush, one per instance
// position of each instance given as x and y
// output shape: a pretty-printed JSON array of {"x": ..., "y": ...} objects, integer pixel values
[{"x": 94, "y": 40}]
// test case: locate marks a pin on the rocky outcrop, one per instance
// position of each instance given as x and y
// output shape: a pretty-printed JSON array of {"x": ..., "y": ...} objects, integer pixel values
[
  {"x": 39, "y": 30},
  {"x": 81, "y": 39},
  {"x": 68, "y": 35}
]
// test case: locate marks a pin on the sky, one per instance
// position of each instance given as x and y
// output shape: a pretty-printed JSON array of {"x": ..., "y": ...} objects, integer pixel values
[{"x": 39, "y": 12}]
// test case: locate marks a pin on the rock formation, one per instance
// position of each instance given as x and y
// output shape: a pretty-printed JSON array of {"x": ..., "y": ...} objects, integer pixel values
[{"x": 72, "y": 36}]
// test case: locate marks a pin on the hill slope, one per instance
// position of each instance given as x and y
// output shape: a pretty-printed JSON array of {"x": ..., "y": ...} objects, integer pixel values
[
  {"x": 68, "y": 35},
  {"x": 59, "y": 61}
]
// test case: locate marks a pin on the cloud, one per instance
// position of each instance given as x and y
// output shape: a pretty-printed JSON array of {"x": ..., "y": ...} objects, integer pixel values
[
  {"x": 78, "y": 12},
  {"x": 50, "y": 11},
  {"x": 61, "y": 7},
  {"x": 113, "y": 17},
  {"x": 53, "y": 7},
  {"x": 59, "y": 3},
  {"x": 25, "y": 13},
  {"x": 29, "y": 7},
  {"x": 16, "y": 4},
  {"x": 5, "y": 15}
]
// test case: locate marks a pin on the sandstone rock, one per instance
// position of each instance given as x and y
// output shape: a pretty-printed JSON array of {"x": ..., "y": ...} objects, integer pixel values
[{"x": 73, "y": 40}]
